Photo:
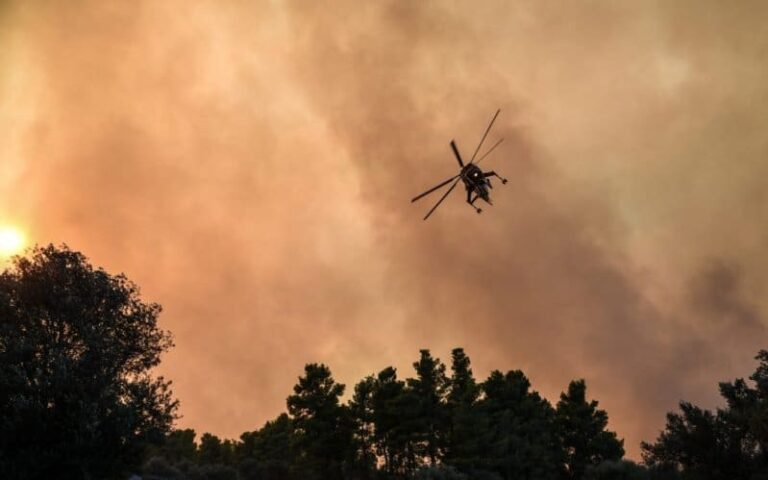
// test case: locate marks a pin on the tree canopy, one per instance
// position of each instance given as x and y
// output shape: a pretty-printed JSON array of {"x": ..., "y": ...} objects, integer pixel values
[
  {"x": 428, "y": 426},
  {"x": 78, "y": 401},
  {"x": 582, "y": 430},
  {"x": 730, "y": 443},
  {"x": 77, "y": 398}
]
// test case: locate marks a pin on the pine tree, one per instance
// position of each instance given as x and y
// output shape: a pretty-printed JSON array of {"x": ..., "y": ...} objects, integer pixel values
[
  {"x": 519, "y": 440},
  {"x": 361, "y": 407},
  {"x": 582, "y": 430},
  {"x": 321, "y": 424},
  {"x": 463, "y": 446},
  {"x": 211, "y": 450},
  {"x": 730, "y": 443},
  {"x": 267, "y": 453},
  {"x": 390, "y": 436},
  {"x": 430, "y": 422},
  {"x": 179, "y": 445},
  {"x": 272, "y": 444}
]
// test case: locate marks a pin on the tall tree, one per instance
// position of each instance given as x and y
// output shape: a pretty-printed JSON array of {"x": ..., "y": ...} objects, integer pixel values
[
  {"x": 746, "y": 413},
  {"x": 393, "y": 445},
  {"x": 321, "y": 424},
  {"x": 77, "y": 345},
  {"x": 462, "y": 387},
  {"x": 695, "y": 440},
  {"x": 361, "y": 409},
  {"x": 731, "y": 443},
  {"x": 518, "y": 438},
  {"x": 582, "y": 429},
  {"x": 430, "y": 421},
  {"x": 463, "y": 444}
]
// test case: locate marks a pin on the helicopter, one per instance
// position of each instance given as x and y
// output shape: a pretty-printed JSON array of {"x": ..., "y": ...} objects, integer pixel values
[{"x": 476, "y": 182}]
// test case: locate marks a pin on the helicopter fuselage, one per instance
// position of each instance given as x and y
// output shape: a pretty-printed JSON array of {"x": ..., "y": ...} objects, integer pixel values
[{"x": 476, "y": 181}]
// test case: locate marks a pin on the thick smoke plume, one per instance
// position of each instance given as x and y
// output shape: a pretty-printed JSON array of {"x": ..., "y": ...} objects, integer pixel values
[{"x": 251, "y": 165}]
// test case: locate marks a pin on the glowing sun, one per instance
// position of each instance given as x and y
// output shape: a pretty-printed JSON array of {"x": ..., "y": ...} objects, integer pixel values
[{"x": 11, "y": 241}]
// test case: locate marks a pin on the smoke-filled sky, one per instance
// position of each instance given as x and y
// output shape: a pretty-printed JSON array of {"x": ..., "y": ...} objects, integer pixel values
[{"x": 250, "y": 166}]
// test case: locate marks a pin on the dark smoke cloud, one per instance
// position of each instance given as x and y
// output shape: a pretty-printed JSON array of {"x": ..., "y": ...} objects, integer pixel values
[
  {"x": 250, "y": 166},
  {"x": 716, "y": 293}
]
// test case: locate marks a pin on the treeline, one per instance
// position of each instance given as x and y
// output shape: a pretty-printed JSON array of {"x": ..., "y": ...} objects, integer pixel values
[
  {"x": 448, "y": 426},
  {"x": 434, "y": 425},
  {"x": 729, "y": 443},
  {"x": 78, "y": 401}
]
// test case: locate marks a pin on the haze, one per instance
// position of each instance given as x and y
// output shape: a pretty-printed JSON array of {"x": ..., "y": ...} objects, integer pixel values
[{"x": 250, "y": 165}]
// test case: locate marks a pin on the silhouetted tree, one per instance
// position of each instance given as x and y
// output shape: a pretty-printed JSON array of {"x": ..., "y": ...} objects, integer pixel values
[
  {"x": 730, "y": 443},
  {"x": 440, "y": 472},
  {"x": 429, "y": 420},
  {"x": 272, "y": 447},
  {"x": 252, "y": 469},
  {"x": 159, "y": 468},
  {"x": 698, "y": 441},
  {"x": 178, "y": 445},
  {"x": 213, "y": 472},
  {"x": 321, "y": 425},
  {"x": 426, "y": 427},
  {"x": 391, "y": 438},
  {"x": 462, "y": 387},
  {"x": 582, "y": 429},
  {"x": 463, "y": 447},
  {"x": 361, "y": 408},
  {"x": 211, "y": 450},
  {"x": 519, "y": 440},
  {"x": 616, "y": 470},
  {"x": 76, "y": 348}
]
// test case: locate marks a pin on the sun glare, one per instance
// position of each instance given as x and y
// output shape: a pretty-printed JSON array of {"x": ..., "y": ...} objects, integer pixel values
[{"x": 11, "y": 241}]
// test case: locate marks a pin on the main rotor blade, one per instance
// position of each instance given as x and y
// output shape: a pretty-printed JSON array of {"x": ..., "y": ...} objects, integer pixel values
[
  {"x": 485, "y": 135},
  {"x": 489, "y": 151},
  {"x": 442, "y": 198},
  {"x": 456, "y": 152},
  {"x": 433, "y": 189}
]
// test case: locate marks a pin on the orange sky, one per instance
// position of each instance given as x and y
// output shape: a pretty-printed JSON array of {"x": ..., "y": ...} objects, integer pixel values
[{"x": 250, "y": 165}]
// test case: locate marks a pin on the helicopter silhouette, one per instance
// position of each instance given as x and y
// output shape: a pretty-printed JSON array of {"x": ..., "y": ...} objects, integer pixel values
[{"x": 476, "y": 181}]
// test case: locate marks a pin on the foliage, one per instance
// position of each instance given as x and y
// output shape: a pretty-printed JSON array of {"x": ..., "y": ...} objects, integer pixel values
[
  {"x": 252, "y": 469},
  {"x": 441, "y": 472},
  {"x": 361, "y": 409},
  {"x": 76, "y": 348},
  {"x": 465, "y": 420},
  {"x": 78, "y": 401},
  {"x": 429, "y": 413},
  {"x": 213, "y": 451},
  {"x": 321, "y": 424},
  {"x": 393, "y": 445},
  {"x": 158, "y": 468},
  {"x": 616, "y": 470},
  {"x": 179, "y": 445},
  {"x": 581, "y": 426},
  {"x": 417, "y": 428},
  {"x": 518, "y": 437},
  {"x": 730, "y": 443},
  {"x": 272, "y": 445}
]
